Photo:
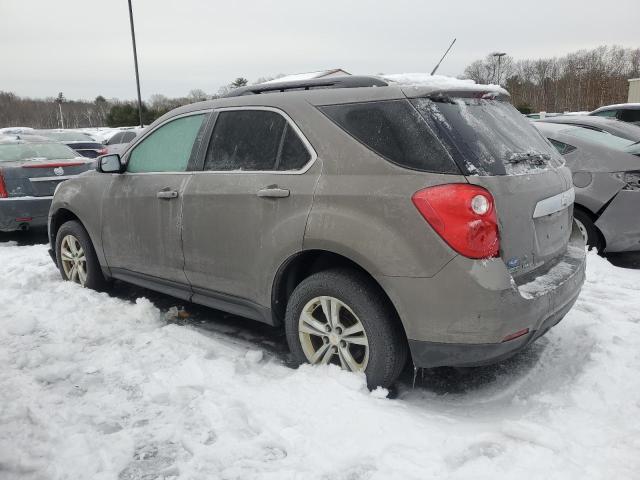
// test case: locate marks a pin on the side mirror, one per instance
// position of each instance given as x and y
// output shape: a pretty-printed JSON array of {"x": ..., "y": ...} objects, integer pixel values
[{"x": 110, "y": 164}]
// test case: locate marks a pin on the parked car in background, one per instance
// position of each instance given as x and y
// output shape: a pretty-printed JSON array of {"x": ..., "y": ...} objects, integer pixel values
[
  {"x": 627, "y": 112},
  {"x": 15, "y": 130},
  {"x": 81, "y": 142},
  {"x": 118, "y": 142},
  {"x": 615, "y": 127},
  {"x": 358, "y": 217},
  {"x": 31, "y": 167},
  {"x": 606, "y": 177}
]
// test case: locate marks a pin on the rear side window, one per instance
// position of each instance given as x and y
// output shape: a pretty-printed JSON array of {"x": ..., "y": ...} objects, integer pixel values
[
  {"x": 255, "y": 140},
  {"x": 561, "y": 147},
  {"x": 168, "y": 148},
  {"x": 394, "y": 130},
  {"x": 127, "y": 137}
]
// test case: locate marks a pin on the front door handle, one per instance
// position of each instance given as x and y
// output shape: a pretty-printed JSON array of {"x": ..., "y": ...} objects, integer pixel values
[
  {"x": 273, "y": 191},
  {"x": 167, "y": 194}
]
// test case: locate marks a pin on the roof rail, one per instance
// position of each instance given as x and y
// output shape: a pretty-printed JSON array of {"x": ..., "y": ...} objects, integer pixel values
[{"x": 346, "y": 81}]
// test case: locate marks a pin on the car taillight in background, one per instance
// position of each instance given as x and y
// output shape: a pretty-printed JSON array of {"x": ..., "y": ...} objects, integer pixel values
[
  {"x": 3, "y": 187},
  {"x": 463, "y": 215},
  {"x": 103, "y": 151}
]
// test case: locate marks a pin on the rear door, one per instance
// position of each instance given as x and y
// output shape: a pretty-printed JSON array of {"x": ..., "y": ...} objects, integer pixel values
[
  {"x": 142, "y": 210},
  {"x": 246, "y": 211}
]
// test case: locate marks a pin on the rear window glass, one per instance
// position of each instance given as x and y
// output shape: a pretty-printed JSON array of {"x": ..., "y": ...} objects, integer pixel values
[
  {"x": 394, "y": 130},
  {"x": 603, "y": 138},
  {"x": 68, "y": 136},
  {"x": 11, "y": 152},
  {"x": 488, "y": 137}
]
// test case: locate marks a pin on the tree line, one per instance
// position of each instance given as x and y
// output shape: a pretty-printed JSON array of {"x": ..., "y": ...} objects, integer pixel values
[
  {"x": 44, "y": 113},
  {"x": 580, "y": 81}
]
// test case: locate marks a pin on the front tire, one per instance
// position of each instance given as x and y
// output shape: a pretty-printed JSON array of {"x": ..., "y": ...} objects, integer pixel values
[
  {"x": 341, "y": 317},
  {"x": 76, "y": 257}
]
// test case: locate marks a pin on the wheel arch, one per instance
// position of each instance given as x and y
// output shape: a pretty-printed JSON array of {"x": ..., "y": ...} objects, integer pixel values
[
  {"x": 58, "y": 218},
  {"x": 307, "y": 262}
]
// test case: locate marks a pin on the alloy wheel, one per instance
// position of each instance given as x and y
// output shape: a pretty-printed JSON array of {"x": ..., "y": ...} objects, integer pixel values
[
  {"x": 73, "y": 260},
  {"x": 330, "y": 332}
]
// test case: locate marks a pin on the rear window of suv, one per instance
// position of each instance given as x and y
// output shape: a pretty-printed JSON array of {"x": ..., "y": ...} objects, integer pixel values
[
  {"x": 487, "y": 137},
  {"x": 394, "y": 130}
]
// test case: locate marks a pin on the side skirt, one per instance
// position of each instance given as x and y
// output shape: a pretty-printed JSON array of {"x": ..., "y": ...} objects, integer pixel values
[{"x": 208, "y": 298}]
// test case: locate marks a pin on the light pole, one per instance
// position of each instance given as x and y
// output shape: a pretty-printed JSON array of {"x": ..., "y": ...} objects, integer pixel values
[
  {"x": 499, "y": 55},
  {"x": 59, "y": 101},
  {"x": 135, "y": 61}
]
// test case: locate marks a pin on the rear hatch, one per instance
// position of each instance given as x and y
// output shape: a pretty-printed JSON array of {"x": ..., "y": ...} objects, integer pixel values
[{"x": 497, "y": 148}]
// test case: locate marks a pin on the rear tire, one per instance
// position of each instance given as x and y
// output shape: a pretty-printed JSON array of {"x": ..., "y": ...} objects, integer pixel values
[
  {"x": 361, "y": 332},
  {"x": 589, "y": 231},
  {"x": 76, "y": 257}
]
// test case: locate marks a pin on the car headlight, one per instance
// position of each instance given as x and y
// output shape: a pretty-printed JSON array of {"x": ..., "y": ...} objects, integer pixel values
[{"x": 632, "y": 179}]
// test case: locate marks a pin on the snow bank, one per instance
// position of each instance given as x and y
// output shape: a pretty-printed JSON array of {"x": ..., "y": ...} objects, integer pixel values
[
  {"x": 438, "y": 82},
  {"x": 96, "y": 387}
]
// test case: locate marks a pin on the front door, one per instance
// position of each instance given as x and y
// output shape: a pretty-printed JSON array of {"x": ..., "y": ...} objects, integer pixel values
[
  {"x": 246, "y": 212},
  {"x": 142, "y": 210}
]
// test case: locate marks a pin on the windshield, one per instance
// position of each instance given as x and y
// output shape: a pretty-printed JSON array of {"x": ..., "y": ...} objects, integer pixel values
[
  {"x": 488, "y": 137},
  {"x": 11, "y": 152},
  {"x": 68, "y": 136}
]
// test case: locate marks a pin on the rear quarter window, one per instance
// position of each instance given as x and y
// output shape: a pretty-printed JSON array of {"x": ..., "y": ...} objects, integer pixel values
[{"x": 394, "y": 130}]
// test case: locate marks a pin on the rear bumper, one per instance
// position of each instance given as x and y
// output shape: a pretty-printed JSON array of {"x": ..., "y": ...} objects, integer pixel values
[
  {"x": 461, "y": 315},
  {"x": 19, "y": 211},
  {"x": 619, "y": 222}
]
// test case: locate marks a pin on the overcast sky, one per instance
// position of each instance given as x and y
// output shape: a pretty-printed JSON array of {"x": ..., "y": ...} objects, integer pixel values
[{"x": 83, "y": 47}]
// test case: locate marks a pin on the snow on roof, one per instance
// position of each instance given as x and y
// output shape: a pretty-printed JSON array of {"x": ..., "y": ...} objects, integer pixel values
[
  {"x": 440, "y": 82},
  {"x": 618, "y": 105},
  {"x": 298, "y": 77}
]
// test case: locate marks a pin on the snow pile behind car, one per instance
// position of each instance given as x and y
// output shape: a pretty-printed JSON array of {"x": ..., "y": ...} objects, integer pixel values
[{"x": 92, "y": 386}]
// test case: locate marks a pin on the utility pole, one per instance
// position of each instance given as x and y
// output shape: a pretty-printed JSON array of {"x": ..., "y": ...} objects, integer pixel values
[
  {"x": 499, "y": 55},
  {"x": 59, "y": 100},
  {"x": 135, "y": 61}
]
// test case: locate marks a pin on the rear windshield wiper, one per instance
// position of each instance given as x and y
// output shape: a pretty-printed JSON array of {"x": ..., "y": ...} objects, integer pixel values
[{"x": 536, "y": 158}]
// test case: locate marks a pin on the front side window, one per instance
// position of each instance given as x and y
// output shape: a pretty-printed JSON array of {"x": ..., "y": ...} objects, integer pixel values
[
  {"x": 254, "y": 140},
  {"x": 630, "y": 115},
  {"x": 168, "y": 148}
]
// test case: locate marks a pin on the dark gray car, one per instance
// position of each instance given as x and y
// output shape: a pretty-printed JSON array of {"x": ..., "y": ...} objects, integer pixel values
[
  {"x": 372, "y": 219},
  {"x": 615, "y": 127},
  {"x": 606, "y": 176},
  {"x": 627, "y": 112},
  {"x": 31, "y": 167}
]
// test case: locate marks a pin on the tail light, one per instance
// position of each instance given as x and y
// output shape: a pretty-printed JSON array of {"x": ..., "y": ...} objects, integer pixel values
[
  {"x": 463, "y": 215},
  {"x": 3, "y": 187},
  {"x": 103, "y": 151}
]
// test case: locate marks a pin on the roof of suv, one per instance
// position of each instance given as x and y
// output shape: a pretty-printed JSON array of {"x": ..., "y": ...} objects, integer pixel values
[{"x": 346, "y": 89}]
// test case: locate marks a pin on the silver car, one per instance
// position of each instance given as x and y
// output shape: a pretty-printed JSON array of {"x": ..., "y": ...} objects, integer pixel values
[
  {"x": 606, "y": 177},
  {"x": 374, "y": 220}
]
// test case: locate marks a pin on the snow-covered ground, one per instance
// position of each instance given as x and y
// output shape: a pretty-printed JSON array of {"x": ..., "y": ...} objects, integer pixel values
[{"x": 94, "y": 386}]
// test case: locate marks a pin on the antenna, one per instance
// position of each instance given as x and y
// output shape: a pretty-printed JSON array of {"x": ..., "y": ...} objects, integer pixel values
[{"x": 445, "y": 54}]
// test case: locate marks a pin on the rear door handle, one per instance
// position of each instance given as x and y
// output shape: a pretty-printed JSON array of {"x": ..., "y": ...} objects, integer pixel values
[
  {"x": 273, "y": 192},
  {"x": 167, "y": 194}
]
